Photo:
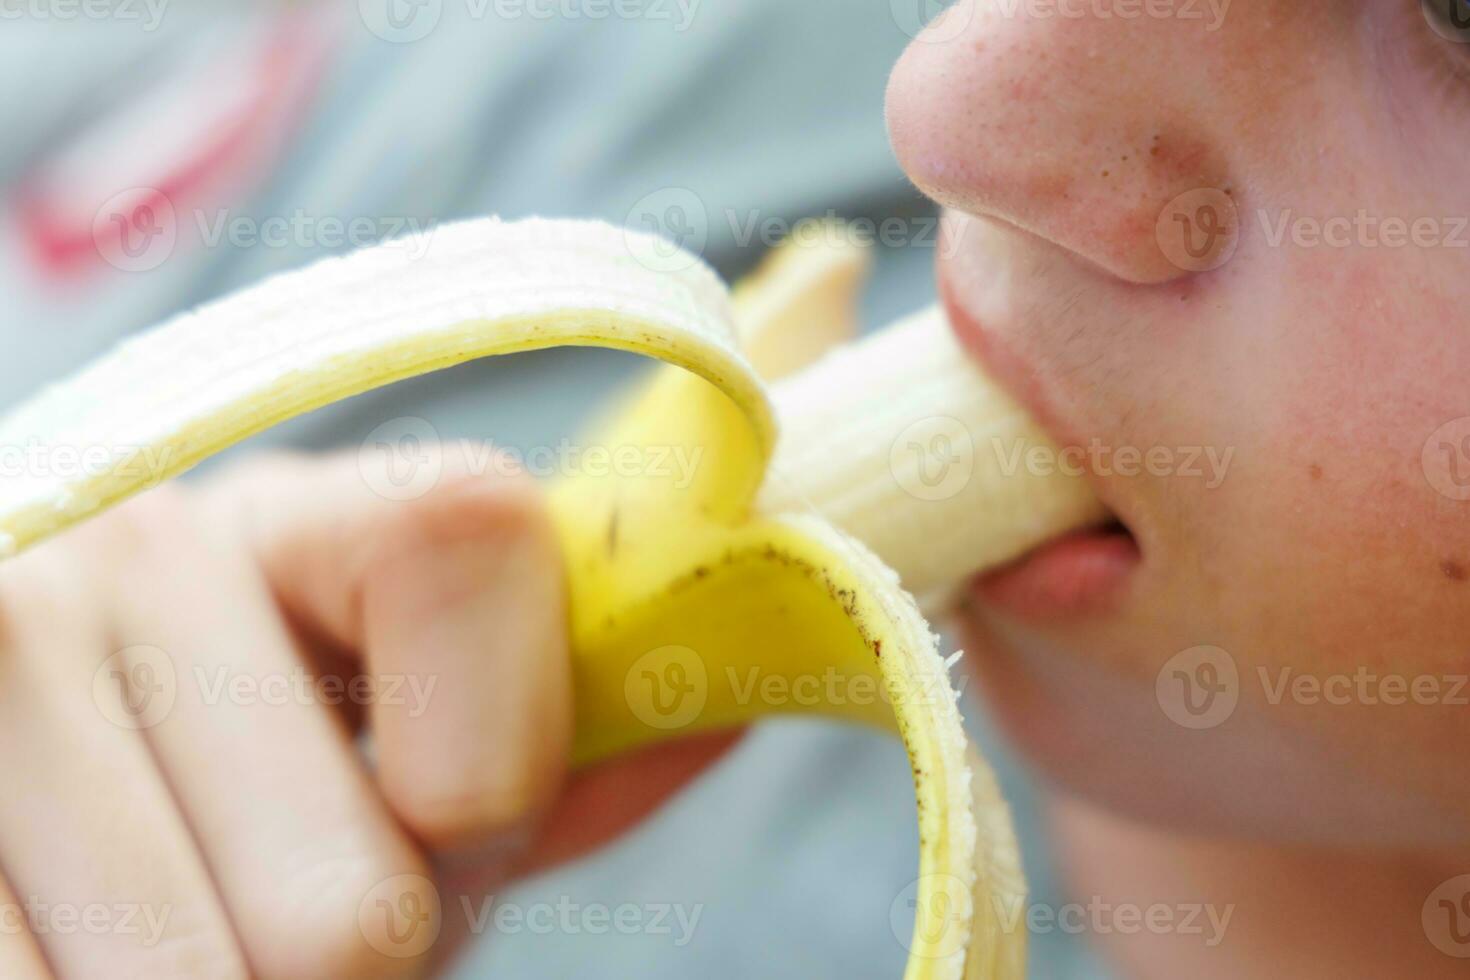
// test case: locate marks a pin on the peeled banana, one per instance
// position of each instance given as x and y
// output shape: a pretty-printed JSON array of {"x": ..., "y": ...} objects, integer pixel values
[{"x": 690, "y": 594}]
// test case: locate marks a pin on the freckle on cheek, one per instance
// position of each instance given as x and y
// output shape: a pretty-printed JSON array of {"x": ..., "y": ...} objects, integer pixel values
[
  {"x": 1315, "y": 471},
  {"x": 1453, "y": 570}
]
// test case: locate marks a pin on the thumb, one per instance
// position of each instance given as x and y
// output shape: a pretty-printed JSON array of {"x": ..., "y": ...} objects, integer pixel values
[{"x": 453, "y": 598}]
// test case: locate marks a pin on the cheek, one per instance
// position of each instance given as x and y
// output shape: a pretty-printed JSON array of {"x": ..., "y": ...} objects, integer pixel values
[
  {"x": 1327, "y": 539},
  {"x": 1356, "y": 408}
]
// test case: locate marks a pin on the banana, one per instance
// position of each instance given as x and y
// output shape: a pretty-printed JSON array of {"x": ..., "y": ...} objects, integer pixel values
[{"x": 692, "y": 593}]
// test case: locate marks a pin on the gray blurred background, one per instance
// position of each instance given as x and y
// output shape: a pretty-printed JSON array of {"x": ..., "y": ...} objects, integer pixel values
[{"x": 280, "y": 134}]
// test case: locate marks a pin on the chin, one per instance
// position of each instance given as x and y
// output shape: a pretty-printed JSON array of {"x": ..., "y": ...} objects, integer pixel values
[{"x": 1096, "y": 732}]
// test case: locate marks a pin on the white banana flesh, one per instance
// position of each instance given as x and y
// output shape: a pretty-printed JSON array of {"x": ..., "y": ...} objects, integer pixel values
[{"x": 902, "y": 442}]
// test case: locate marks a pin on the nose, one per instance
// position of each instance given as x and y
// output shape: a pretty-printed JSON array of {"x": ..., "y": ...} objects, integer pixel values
[{"x": 1093, "y": 132}]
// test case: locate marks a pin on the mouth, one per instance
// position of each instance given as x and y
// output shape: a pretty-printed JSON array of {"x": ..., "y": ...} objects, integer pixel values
[{"x": 1078, "y": 574}]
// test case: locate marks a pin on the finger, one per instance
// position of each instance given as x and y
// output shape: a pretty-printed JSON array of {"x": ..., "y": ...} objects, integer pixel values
[
  {"x": 606, "y": 800},
  {"x": 89, "y": 832},
  {"x": 20, "y": 954},
  {"x": 455, "y": 595},
  {"x": 292, "y": 828}
]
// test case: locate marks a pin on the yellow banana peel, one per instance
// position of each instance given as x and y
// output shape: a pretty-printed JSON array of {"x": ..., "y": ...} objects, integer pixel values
[{"x": 689, "y": 592}]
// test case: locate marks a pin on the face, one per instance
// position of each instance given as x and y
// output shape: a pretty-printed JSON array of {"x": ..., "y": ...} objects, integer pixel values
[{"x": 1221, "y": 249}]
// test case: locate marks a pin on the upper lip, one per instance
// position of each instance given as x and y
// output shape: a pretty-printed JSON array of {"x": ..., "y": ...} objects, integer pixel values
[
  {"x": 1016, "y": 375},
  {"x": 1001, "y": 362}
]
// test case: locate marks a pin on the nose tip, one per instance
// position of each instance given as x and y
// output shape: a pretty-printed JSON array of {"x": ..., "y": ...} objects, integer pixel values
[{"x": 1045, "y": 125}]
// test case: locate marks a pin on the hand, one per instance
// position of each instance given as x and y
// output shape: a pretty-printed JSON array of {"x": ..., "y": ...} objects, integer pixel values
[{"x": 181, "y": 681}]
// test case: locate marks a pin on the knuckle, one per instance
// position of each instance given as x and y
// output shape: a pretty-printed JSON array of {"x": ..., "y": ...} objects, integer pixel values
[
  {"x": 465, "y": 503},
  {"x": 451, "y": 816}
]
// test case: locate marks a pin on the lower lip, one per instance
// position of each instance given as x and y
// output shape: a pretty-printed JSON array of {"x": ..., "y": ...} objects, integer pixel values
[{"x": 1080, "y": 574}]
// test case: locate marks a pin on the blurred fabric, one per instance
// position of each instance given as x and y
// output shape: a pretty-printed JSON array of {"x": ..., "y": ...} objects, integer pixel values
[{"x": 797, "y": 850}]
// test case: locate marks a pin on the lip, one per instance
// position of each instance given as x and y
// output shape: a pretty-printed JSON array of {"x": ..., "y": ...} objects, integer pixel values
[{"x": 1081, "y": 573}]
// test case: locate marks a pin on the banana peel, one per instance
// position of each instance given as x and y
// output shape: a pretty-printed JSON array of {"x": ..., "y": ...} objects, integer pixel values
[{"x": 688, "y": 593}]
